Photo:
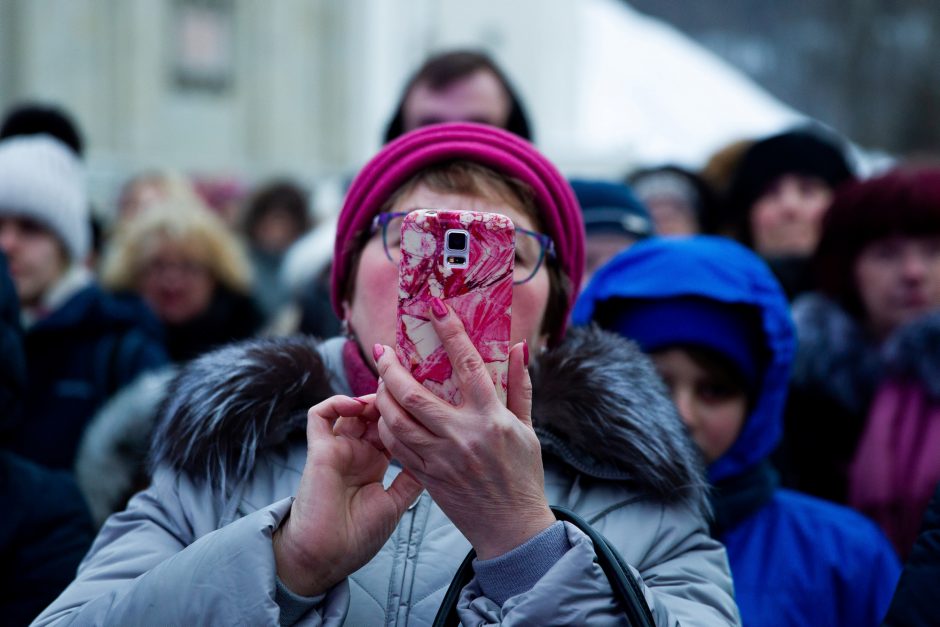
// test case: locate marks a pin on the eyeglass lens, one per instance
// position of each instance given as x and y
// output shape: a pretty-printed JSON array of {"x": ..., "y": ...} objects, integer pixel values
[{"x": 529, "y": 252}]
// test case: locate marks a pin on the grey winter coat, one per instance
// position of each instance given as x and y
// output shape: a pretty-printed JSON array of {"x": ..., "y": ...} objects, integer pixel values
[{"x": 195, "y": 548}]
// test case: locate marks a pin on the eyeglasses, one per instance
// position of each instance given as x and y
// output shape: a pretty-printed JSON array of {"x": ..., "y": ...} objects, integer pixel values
[
  {"x": 159, "y": 268},
  {"x": 531, "y": 247}
]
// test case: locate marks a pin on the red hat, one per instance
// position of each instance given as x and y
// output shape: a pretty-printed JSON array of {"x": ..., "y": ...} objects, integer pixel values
[{"x": 502, "y": 151}]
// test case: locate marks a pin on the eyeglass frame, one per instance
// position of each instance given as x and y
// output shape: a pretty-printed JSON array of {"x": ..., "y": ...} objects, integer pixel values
[{"x": 546, "y": 244}]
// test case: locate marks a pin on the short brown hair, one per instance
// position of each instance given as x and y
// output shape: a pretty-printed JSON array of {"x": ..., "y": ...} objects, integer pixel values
[{"x": 442, "y": 70}]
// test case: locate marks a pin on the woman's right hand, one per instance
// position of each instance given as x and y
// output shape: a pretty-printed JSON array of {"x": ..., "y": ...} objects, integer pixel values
[{"x": 342, "y": 514}]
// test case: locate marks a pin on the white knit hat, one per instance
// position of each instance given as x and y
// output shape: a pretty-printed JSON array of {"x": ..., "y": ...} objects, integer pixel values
[{"x": 41, "y": 179}]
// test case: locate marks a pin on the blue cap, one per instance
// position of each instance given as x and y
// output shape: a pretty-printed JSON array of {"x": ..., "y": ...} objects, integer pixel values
[{"x": 612, "y": 208}]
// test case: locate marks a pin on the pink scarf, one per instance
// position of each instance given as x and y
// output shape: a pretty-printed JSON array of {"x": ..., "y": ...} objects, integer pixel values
[
  {"x": 897, "y": 462},
  {"x": 362, "y": 380}
]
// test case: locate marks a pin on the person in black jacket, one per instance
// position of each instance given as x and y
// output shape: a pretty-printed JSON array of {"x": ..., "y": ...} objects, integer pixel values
[
  {"x": 915, "y": 601},
  {"x": 81, "y": 344},
  {"x": 45, "y": 529}
]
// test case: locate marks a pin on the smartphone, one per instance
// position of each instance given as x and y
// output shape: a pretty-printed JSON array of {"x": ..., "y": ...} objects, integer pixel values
[{"x": 465, "y": 258}]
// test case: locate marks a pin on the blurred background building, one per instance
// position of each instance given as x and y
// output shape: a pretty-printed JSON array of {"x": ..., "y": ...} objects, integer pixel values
[{"x": 245, "y": 89}]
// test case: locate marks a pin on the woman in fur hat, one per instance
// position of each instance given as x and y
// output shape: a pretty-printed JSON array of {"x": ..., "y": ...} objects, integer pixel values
[
  {"x": 863, "y": 424},
  {"x": 262, "y": 513}
]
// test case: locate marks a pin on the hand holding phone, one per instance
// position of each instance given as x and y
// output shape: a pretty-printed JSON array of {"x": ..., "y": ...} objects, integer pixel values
[{"x": 464, "y": 258}]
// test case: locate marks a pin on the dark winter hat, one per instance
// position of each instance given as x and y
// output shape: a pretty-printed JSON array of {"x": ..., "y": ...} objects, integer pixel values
[
  {"x": 38, "y": 119},
  {"x": 802, "y": 152},
  {"x": 731, "y": 331},
  {"x": 904, "y": 201},
  {"x": 611, "y": 208},
  {"x": 442, "y": 70},
  {"x": 488, "y": 146}
]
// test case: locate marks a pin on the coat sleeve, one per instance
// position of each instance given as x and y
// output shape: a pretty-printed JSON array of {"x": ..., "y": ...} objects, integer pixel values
[
  {"x": 914, "y": 600},
  {"x": 150, "y": 565},
  {"x": 51, "y": 532},
  {"x": 683, "y": 572}
]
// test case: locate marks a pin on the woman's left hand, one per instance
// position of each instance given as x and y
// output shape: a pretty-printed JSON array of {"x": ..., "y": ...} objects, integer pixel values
[{"x": 481, "y": 461}]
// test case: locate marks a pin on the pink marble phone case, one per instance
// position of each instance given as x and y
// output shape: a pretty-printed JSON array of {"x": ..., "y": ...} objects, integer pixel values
[{"x": 480, "y": 294}]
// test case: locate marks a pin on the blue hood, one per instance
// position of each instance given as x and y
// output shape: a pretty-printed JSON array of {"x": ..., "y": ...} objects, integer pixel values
[{"x": 724, "y": 271}]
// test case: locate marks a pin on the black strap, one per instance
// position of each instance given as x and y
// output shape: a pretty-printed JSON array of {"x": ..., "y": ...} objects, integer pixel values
[
  {"x": 447, "y": 613},
  {"x": 624, "y": 584}
]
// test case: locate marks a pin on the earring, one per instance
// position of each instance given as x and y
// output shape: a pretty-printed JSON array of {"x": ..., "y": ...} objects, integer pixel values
[{"x": 346, "y": 330}]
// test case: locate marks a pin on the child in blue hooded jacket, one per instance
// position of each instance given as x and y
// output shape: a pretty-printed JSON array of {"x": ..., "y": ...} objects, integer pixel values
[{"x": 716, "y": 323}]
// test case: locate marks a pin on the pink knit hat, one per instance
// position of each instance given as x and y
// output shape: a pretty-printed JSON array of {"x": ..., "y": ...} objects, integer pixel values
[{"x": 401, "y": 159}]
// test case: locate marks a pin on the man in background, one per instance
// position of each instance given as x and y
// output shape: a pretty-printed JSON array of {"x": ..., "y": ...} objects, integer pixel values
[
  {"x": 81, "y": 343},
  {"x": 459, "y": 86}
]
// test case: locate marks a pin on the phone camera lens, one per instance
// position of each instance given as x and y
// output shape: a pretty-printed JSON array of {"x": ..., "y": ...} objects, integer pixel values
[{"x": 456, "y": 240}]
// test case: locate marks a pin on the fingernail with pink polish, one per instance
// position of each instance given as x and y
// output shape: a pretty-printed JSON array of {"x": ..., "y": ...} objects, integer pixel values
[
  {"x": 377, "y": 351},
  {"x": 438, "y": 308},
  {"x": 525, "y": 353}
]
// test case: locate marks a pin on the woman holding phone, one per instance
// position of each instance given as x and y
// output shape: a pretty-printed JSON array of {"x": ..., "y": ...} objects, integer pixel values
[{"x": 361, "y": 510}]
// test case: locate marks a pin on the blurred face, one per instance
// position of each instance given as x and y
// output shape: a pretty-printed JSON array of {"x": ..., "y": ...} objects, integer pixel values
[
  {"x": 139, "y": 195},
  {"x": 786, "y": 220},
  {"x": 713, "y": 407},
  {"x": 672, "y": 216},
  {"x": 600, "y": 249},
  {"x": 898, "y": 279},
  {"x": 276, "y": 230},
  {"x": 372, "y": 312},
  {"x": 478, "y": 97},
  {"x": 36, "y": 258},
  {"x": 175, "y": 285}
]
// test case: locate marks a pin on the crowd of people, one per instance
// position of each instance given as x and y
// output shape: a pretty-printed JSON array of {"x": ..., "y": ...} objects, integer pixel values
[{"x": 723, "y": 397}]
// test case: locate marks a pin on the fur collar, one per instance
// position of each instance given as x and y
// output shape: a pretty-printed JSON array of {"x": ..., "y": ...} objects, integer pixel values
[
  {"x": 599, "y": 408},
  {"x": 110, "y": 462},
  {"x": 839, "y": 358},
  {"x": 913, "y": 353},
  {"x": 227, "y": 406}
]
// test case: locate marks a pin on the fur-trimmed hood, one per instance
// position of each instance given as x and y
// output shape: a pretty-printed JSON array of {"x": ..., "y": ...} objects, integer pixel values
[
  {"x": 599, "y": 408},
  {"x": 839, "y": 358}
]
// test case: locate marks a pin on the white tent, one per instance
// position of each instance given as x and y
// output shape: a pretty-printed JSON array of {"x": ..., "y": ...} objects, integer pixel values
[{"x": 647, "y": 94}]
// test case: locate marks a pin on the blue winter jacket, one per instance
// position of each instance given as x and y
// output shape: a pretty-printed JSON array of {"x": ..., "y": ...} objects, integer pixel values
[
  {"x": 796, "y": 560},
  {"x": 76, "y": 358},
  {"x": 12, "y": 358}
]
